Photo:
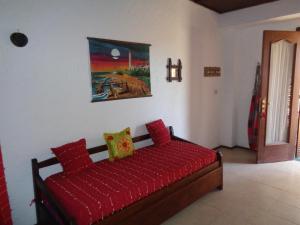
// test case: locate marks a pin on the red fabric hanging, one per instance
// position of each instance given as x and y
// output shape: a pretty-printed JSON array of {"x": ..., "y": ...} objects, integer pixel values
[
  {"x": 253, "y": 121},
  {"x": 5, "y": 211}
]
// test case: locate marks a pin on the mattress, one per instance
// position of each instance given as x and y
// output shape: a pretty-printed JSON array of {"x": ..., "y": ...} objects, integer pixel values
[{"x": 107, "y": 187}]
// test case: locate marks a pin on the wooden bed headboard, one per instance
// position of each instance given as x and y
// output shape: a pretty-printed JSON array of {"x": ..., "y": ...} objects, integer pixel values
[{"x": 101, "y": 148}]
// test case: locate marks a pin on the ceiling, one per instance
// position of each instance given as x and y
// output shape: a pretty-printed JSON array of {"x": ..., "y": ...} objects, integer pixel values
[{"x": 223, "y": 6}]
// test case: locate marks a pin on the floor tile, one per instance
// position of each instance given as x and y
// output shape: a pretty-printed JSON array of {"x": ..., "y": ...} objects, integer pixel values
[{"x": 253, "y": 194}]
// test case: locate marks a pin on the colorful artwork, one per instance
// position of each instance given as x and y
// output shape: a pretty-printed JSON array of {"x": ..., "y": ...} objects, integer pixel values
[{"x": 119, "y": 69}]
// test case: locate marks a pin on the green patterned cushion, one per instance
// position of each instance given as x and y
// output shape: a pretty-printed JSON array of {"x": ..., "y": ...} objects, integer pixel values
[{"x": 120, "y": 144}]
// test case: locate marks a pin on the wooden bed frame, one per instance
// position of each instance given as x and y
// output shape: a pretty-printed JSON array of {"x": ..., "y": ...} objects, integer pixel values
[{"x": 151, "y": 210}]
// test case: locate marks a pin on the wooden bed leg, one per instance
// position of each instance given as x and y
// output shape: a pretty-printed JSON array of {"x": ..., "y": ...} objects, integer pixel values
[
  {"x": 220, "y": 159},
  {"x": 171, "y": 131},
  {"x": 35, "y": 173}
]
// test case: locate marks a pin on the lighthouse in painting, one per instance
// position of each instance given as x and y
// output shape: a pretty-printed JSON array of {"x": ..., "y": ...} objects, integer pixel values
[{"x": 129, "y": 59}]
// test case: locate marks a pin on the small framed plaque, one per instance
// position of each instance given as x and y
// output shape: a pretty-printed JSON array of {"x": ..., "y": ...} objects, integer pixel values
[{"x": 212, "y": 71}]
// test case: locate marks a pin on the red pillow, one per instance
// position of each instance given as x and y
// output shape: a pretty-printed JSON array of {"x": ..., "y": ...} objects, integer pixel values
[
  {"x": 73, "y": 156},
  {"x": 159, "y": 132}
]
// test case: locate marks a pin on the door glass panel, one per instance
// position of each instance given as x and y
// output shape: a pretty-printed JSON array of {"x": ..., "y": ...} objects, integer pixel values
[{"x": 279, "y": 93}]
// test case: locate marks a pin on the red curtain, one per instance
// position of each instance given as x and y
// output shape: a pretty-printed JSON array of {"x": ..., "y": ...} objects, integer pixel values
[{"x": 5, "y": 212}]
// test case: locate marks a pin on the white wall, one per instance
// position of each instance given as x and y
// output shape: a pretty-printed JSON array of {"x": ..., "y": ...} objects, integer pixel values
[
  {"x": 45, "y": 87},
  {"x": 242, "y": 46}
]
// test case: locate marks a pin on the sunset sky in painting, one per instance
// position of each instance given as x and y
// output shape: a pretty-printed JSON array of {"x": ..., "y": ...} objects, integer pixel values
[{"x": 102, "y": 59}]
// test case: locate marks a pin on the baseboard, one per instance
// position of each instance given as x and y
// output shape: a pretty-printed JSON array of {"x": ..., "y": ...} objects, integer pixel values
[
  {"x": 227, "y": 147},
  {"x": 222, "y": 146}
]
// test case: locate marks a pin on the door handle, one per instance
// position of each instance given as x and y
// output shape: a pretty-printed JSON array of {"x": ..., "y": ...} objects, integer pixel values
[{"x": 263, "y": 107}]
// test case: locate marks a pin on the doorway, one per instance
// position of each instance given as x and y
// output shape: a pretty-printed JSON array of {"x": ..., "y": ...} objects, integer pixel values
[{"x": 279, "y": 103}]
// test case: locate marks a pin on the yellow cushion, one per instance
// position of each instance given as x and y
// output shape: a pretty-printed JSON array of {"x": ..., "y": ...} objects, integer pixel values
[{"x": 119, "y": 144}]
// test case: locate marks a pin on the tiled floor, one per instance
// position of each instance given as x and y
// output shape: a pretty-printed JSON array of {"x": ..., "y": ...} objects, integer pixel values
[{"x": 253, "y": 194}]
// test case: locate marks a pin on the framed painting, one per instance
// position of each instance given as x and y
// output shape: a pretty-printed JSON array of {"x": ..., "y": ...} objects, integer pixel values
[{"x": 119, "y": 69}]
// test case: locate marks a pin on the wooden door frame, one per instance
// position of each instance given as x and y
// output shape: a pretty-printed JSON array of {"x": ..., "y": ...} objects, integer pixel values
[
  {"x": 279, "y": 152},
  {"x": 297, "y": 155}
]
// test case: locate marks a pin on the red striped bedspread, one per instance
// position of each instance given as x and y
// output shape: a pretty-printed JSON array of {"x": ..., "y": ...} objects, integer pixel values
[{"x": 107, "y": 187}]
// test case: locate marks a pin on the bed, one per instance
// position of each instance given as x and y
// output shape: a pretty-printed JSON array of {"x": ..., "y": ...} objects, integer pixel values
[{"x": 156, "y": 183}]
